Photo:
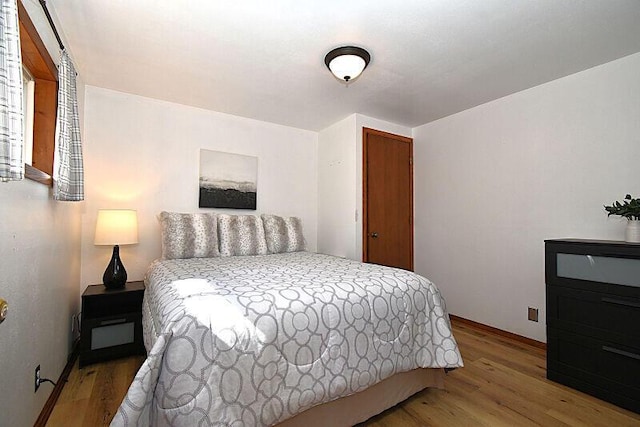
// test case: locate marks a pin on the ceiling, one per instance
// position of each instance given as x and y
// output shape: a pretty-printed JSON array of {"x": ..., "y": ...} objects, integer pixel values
[{"x": 264, "y": 59}]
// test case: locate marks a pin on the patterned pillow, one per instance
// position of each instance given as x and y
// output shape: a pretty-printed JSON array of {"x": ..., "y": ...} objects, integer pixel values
[
  {"x": 193, "y": 235},
  {"x": 241, "y": 235},
  {"x": 283, "y": 234}
]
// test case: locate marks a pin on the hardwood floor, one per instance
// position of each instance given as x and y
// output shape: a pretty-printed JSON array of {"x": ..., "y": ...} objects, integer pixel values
[
  {"x": 93, "y": 394},
  {"x": 502, "y": 384}
]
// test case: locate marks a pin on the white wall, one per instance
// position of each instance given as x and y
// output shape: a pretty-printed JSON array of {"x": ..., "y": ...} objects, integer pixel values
[
  {"x": 143, "y": 154},
  {"x": 40, "y": 264},
  {"x": 336, "y": 198},
  {"x": 40, "y": 270},
  {"x": 494, "y": 181},
  {"x": 340, "y": 183}
]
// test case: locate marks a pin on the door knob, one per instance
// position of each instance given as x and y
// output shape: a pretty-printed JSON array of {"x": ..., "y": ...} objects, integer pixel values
[
  {"x": 3, "y": 309},
  {"x": 374, "y": 235}
]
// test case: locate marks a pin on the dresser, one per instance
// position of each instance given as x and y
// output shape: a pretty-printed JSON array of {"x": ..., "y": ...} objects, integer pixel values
[{"x": 593, "y": 318}]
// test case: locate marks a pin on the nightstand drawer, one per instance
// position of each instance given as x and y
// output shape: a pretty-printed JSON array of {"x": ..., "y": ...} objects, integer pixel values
[
  {"x": 111, "y": 337},
  {"x": 607, "y": 317},
  {"x": 111, "y": 331}
]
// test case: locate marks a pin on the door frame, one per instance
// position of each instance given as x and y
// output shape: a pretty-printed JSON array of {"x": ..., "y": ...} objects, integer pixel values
[{"x": 365, "y": 214}]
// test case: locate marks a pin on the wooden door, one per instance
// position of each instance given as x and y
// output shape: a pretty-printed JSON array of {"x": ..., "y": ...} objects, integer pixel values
[{"x": 387, "y": 199}]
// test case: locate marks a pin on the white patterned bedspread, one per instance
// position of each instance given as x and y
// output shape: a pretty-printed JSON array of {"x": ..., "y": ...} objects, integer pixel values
[{"x": 254, "y": 340}]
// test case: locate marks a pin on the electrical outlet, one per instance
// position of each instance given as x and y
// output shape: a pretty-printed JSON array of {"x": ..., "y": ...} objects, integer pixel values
[
  {"x": 37, "y": 379},
  {"x": 533, "y": 314}
]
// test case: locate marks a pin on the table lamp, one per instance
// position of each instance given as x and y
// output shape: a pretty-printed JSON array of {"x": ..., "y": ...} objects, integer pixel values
[{"x": 116, "y": 227}]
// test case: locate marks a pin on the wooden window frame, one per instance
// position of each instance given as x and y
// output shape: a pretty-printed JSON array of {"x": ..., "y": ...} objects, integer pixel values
[{"x": 37, "y": 60}]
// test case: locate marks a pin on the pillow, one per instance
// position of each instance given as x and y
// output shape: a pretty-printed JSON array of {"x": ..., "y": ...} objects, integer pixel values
[
  {"x": 283, "y": 234},
  {"x": 241, "y": 235},
  {"x": 189, "y": 235}
]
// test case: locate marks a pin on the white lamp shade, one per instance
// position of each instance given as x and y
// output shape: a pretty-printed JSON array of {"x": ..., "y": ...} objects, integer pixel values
[
  {"x": 347, "y": 67},
  {"x": 116, "y": 227}
]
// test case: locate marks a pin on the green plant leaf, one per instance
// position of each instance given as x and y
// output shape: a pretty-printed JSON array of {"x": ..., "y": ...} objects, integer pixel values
[{"x": 629, "y": 208}]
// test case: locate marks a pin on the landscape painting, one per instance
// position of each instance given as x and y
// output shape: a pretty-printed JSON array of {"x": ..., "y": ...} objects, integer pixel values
[{"x": 228, "y": 180}]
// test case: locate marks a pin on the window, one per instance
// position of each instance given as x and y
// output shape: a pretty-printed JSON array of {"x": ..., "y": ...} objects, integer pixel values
[{"x": 43, "y": 84}]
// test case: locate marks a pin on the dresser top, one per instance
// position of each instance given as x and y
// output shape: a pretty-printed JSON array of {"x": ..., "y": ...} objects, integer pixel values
[{"x": 593, "y": 242}]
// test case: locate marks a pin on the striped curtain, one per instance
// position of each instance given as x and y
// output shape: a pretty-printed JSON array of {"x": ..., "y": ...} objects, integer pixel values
[
  {"x": 68, "y": 171},
  {"x": 11, "y": 138}
]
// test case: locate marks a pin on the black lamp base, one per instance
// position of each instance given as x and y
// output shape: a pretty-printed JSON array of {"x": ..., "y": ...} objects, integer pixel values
[{"x": 115, "y": 276}]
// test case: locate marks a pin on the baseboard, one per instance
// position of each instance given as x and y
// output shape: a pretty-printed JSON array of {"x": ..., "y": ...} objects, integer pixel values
[
  {"x": 496, "y": 331},
  {"x": 57, "y": 389}
]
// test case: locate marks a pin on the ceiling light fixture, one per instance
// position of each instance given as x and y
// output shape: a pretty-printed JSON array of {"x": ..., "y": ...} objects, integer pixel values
[{"x": 347, "y": 62}]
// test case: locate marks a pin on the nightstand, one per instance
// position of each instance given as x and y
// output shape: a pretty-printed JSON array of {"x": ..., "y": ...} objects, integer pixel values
[{"x": 111, "y": 323}]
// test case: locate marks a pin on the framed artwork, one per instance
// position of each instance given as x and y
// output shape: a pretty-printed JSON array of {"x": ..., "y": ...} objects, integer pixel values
[{"x": 228, "y": 180}]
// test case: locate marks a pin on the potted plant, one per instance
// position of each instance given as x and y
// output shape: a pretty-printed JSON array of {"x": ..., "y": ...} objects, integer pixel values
[{"x": 630, "y": 209}]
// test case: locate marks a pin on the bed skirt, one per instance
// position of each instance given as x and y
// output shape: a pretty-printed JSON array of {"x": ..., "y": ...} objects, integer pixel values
[{"x": 359, "y": 407}]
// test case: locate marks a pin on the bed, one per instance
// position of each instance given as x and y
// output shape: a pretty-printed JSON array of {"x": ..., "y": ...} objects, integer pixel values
[{"x": 294, "y": 338}]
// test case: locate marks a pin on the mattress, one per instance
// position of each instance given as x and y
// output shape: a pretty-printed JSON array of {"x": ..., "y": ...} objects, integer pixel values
[{"x": 256, "y": 340}]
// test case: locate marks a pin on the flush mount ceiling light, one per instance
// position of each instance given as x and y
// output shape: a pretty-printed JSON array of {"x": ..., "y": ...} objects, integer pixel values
[{"x": 347, "y": 62}]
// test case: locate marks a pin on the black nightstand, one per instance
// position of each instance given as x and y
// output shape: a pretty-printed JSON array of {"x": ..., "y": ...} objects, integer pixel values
[{"x": 111, "y": 323}]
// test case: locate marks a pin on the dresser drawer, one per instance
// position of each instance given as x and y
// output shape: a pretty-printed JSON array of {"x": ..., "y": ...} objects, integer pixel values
[
  {"x": 608, "y": 370},
  {"x": 603, "y": 316}
]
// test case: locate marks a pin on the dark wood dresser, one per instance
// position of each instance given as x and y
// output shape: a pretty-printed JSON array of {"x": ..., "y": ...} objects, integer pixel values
[{"x": 593, "y": 318}]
